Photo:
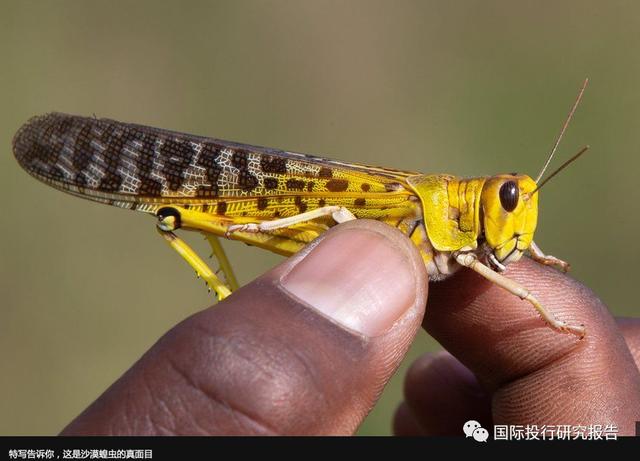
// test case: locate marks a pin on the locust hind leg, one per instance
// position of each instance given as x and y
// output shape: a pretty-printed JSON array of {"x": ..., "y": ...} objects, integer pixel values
[
  {"x": 338, "y": 213},
  {"x": 225, "y": 266},
  {"x": 202, "y": 269},
  {"x": 471, "y": 261}
]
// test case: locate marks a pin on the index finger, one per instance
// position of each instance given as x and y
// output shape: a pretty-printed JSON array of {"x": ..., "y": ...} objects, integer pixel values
[{"x": 536, "y": 374}]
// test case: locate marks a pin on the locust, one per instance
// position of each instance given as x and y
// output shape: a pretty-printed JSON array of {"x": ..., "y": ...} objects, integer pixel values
[{"x": 281, "y": 201}]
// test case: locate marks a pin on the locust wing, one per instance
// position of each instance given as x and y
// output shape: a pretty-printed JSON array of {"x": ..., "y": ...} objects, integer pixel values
[
  {"x": 121, "y": 162},
  {"x": 145, "y": 168}
]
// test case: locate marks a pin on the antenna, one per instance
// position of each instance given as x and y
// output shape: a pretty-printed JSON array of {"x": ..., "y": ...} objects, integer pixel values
[
  {"x": 564, "y": 128},
  {"x": 560, "y": 168}
]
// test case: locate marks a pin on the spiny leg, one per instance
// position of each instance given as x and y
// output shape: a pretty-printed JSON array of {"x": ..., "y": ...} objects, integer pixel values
[
  {"x": 201, "y": 268},
  {"x": 225, "y": 265},
  {"x": 338, "y": 213},
  {"x": 538, "y": 256},
  {"x": 471, "y": 261}
]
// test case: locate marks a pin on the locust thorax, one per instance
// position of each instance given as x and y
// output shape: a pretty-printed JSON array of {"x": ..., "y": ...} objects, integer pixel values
[{"x": 509, "y": 215}]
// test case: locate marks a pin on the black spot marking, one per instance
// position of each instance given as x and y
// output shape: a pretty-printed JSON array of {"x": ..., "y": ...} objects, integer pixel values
[
  {"x": 325, "y": 172},
  {"x": 82, "y": 154},
  {"x": 310, "y": 185},
  {"x": 144, "y": 161},
  {"x": 295, "y": 184},
  {"x": 360, "y": 202},
  {"x": 221, "y": 208},
  {"x": 239, "y": 159},
  {"x": 365, "y": 187},
  {"x": 271, "y": 183},
  {"x": 262, "y": 203},
  {"x": 246, "y": 180},
  {"x": 321, "y": 202},
  {"x": 270, "y": 164},
  {"x": 176, "y": 158},
  {"x": 114, "y": 139},
  {"x": 302, "y": 207},
  {"x": 208, "y": 159},
  {"x": 205, "y": 191},
  {"x": 337, "y": 185}
]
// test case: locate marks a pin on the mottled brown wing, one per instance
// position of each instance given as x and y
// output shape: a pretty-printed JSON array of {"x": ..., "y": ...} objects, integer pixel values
[{"x": 125, "y": 164}]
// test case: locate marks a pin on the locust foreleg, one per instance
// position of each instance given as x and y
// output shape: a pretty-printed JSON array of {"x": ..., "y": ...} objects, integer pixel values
[
  {"x": 538, "y": 256},
  {"x": 470, "y": 260}
]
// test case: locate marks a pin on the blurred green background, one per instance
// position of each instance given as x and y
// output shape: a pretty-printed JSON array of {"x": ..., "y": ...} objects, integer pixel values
[{"x": 465, "y": 87}]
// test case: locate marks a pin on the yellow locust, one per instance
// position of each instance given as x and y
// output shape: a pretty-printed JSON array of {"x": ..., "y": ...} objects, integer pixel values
[{"x": 281, "y": 201}]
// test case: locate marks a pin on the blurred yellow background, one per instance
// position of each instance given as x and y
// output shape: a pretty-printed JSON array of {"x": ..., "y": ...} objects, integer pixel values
[{"x": 466, "y": 87}]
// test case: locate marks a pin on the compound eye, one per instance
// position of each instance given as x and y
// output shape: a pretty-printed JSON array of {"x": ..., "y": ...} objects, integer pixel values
[
  {"x": 509, "y": 195},
  {"x": 168, "y": 218}
]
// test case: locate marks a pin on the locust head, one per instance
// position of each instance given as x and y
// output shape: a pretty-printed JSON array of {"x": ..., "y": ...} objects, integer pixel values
[{"x": 509, "y": 210}]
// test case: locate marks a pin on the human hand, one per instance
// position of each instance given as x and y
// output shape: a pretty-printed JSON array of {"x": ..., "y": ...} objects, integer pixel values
[
  {"x": 265, "y": 362},
  {"x": 503, "y": 366}
]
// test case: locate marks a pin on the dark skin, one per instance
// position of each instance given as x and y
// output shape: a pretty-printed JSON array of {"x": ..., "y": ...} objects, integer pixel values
[{"x": 265, "y": 362}]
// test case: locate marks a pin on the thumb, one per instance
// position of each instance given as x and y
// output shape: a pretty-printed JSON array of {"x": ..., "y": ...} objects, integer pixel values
[{"x": 305, "y": 349}]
